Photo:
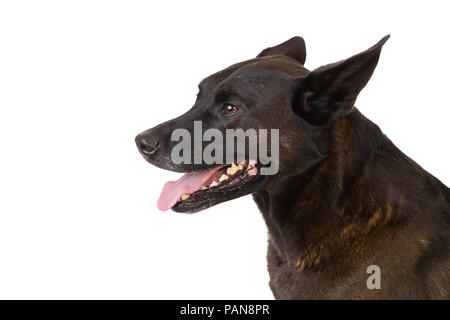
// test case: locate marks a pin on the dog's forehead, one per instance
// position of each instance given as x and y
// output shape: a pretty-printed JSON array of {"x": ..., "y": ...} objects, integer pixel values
[{"x": 255, "y": 70}]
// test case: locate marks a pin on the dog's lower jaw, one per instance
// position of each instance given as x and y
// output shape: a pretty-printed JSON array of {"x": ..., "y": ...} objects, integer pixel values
[
  {"x": 240, "y": 183},
  {"x": 329, "y": 224}
]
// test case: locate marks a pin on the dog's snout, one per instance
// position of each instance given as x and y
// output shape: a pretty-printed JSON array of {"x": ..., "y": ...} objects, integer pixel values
[{"x": 146, "y": 144}]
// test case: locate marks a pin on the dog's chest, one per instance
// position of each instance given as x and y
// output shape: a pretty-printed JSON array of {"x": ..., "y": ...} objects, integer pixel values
[{"x": 292, "y": 281}]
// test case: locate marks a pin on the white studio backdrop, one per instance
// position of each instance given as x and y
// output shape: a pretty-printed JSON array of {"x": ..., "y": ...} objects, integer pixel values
[{"x": 80, "y": 79}]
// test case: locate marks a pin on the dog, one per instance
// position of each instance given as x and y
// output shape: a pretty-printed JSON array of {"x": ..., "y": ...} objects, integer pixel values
[{"x": 349, "y": 215}]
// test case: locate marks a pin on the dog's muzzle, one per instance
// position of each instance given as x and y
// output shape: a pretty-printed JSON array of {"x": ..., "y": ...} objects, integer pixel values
[{"x": 146, "y": 144}]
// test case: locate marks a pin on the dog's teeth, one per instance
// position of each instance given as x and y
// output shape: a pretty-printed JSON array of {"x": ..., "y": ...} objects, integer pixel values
[
  {"x": 184, "y": 196},
  {"x": 223, "y": 177},
  {"x": 214, "y": 184},
  {"x": 233, "y": 169},
  {"x": 203, "y": 188}
]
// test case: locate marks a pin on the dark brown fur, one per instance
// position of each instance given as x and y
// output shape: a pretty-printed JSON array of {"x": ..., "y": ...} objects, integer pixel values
[
  {"x": 345, "y": 197},
  {"x": 365, "y": 204}
]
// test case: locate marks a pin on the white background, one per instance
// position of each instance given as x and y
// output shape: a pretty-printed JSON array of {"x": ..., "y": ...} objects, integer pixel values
[{"x": 78, "y": 81}]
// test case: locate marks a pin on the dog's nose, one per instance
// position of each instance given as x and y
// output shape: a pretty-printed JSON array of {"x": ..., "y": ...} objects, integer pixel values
[{"x": 146, "y": 144}]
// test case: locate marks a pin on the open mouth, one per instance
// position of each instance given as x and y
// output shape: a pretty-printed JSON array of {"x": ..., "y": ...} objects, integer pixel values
[{"x": 195, "y": 191}]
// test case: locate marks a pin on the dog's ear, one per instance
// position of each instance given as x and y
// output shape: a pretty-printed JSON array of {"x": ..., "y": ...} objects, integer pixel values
[
  {"x": 294, "y": 48},
  {"x": 330, "y": 91}
]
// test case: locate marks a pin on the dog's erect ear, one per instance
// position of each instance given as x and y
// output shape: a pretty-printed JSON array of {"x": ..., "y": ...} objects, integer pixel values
[
  {"x": 330, "y": 91},
  {"x": 293, "y": 48}
]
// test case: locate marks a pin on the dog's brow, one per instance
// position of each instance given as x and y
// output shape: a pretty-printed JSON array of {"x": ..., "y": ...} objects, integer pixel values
[
  {"x": 221, "y": 95},
  {"x": 224, "y": 95}
]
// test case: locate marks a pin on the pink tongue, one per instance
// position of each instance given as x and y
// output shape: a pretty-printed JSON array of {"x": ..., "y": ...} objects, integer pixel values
[{"x": 188, "y": 183}]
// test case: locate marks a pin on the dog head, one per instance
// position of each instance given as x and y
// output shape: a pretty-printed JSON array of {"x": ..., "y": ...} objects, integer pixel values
[{"x": 271, "y": 92}]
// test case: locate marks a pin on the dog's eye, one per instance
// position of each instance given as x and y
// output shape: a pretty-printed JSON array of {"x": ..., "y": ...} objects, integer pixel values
[{"x": 229, "y": 109}]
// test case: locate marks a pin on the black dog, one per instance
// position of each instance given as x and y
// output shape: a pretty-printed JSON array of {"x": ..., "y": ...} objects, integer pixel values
[{"x": 345, "y": 199}]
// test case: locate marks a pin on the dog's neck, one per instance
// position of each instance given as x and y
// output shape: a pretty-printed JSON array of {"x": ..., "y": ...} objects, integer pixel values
[{"x": 311, "y": 216}]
